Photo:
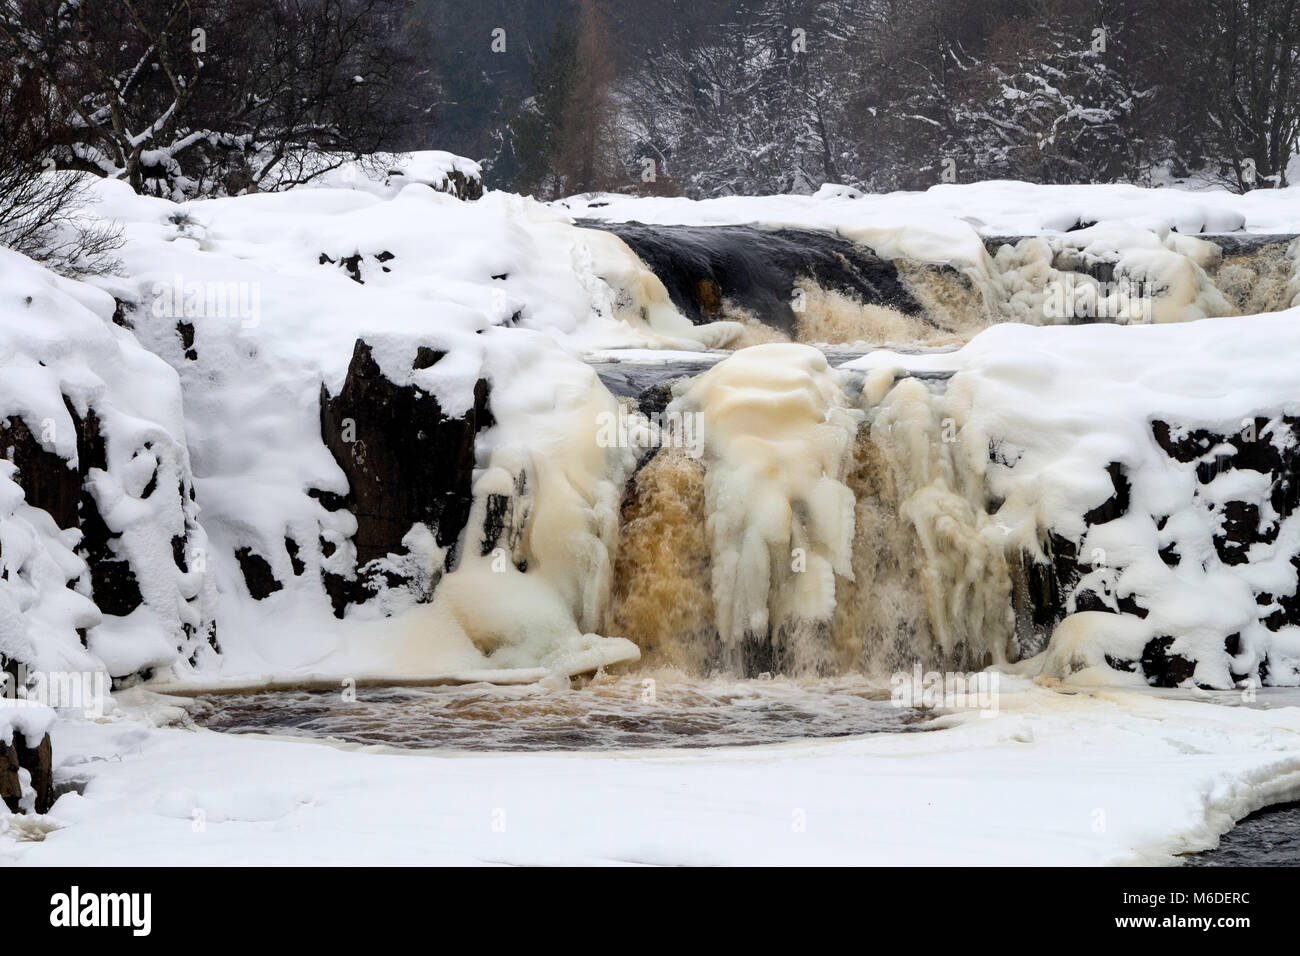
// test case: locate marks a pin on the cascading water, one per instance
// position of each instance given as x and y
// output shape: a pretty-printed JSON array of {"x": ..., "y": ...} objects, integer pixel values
[
  {"x": 821, "y": 532},
  {"x": 841, "y": 525},
  {"x": 820, "y": 287}
]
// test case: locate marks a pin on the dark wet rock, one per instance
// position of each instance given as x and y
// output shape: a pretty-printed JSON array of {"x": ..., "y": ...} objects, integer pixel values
[
  {"x": 113, "y": 584},
  {"x": 654, "y": 401},
  {"x": 1042, "y": 589},
  {"x": 758, "y": 269},
  {"x": 463, "y": 186},
  {"x": 1120, "y": 664},
  {"x": 1162, "y": 668},
  {"x": 258, "y": 574},
  {"x": 1240, "y": 529},
  {"x": 496, "y": 509},
  {"x": 37, "y": 760},
  {"x": 344, "y": 592},
  {"x": 1116, "y": 506},
  {"x": 1090, "y": 600},
  {"x": 455, "y": 181},
  {"x": 11, "y": 790},
  {"x": 1244, "y": 243},
  {"x": 295, "y": 562},
  {"x": 186, "y": 331},
  {"x": 1127, "y": 604},
  {"x": 1288, "y": 605},
  {"x": 121, "y": 313},
  {"x": 330, "y": 501},
  {"x": 49, "y": 482},
  {"x": 357, "y": 265},
  {"x": 504, "y": 520},
  {"x": 406, "y": 462}
]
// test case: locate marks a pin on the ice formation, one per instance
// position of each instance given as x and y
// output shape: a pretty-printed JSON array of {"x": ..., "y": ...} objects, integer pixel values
[{"x": 778, "y": 439}]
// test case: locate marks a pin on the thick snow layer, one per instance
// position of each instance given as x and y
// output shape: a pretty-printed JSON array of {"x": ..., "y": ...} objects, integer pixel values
[
  {"x": 388, "y": 174},
  {"x": 31, "y": 719},
  {"x": 61, "y": 353},
  {"x": 994, "y": 208},
  {"x": 1086, "y": 777},
  {"x": 251, "y": 307},
  {"x": 1060, "y": 405}
]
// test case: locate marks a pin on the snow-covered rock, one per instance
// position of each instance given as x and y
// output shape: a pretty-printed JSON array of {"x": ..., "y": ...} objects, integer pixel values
[
  {"x": 26, "y": 757},
  {"x": 103, "y": 556},
  {"x": 388, "y": 174},
  {"x": 1147, "y": 474}
]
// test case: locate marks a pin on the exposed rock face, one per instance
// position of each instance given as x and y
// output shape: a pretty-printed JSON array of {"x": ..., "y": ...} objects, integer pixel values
[
  {"x": 37, "y": 760},
  {"x": 50, "y": 483},
  {"x": 463, "y": 185},
  {"x": 407, "y": 463},
  {"x": 1247, "y": 529},
  {"x": 63, "y": 488},
  {"x": 258, "y": 574},
  {"x": 359, "y": 267},
  {"x": 759, "y": 269},
  {"x": 114, "y": 586}
]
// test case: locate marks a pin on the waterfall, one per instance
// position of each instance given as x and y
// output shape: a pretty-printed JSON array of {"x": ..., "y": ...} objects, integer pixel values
[
  {"x": 818, "y": 534},
  {"x": 818, "y": 287}
]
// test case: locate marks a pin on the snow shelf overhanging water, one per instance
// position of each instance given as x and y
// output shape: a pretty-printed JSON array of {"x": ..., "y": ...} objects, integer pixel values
[{"x": 1093, "y": 778}]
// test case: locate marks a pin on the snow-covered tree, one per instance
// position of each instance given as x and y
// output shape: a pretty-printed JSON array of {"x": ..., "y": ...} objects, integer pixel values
[
  {"x": 184, "y": 97},
  {"x": 1048, "y": 105}
]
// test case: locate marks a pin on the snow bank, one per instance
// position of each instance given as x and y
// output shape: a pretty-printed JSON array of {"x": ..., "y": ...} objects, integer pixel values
[
  {"x": 102, "y": 553},
  {"x": 993, "y": 208},
  {"x": 386, "y": 174}
]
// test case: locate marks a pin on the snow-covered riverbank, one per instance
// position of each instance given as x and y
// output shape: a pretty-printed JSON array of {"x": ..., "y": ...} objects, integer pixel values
[{"x": 1093, "y": 777}]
